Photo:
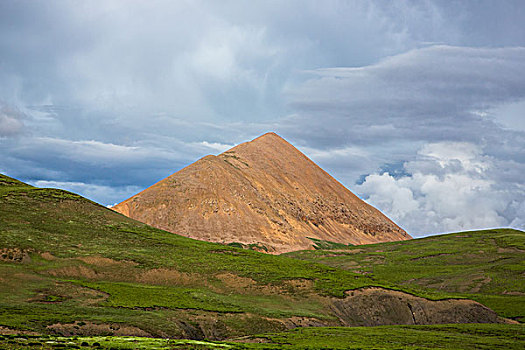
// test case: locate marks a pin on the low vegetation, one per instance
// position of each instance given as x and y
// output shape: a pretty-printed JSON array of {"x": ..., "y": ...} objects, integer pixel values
[
  {"x": 457, "y": 337},
  {"x": 70, "y": 267},
  {"x": 487, "y": 266},
  {"x": 65, "y": 259}
]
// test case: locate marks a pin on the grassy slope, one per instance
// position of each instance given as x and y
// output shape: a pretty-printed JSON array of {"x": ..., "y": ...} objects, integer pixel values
[
  {"x": 65, "y": 259},
  {"x": 153, "y": 276},
  {"x": 487, "y": 266},
  {"x": 457, "y": 337}
]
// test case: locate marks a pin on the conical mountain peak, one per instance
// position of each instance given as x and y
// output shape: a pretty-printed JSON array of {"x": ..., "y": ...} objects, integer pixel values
[
  {"x": 269, "y": 153},
  {"x": 270, "y": 142},
  {"x": 263, "y": 193},
  {"x": 270, "y": 139},
  {"x": 268, "y": 136}
]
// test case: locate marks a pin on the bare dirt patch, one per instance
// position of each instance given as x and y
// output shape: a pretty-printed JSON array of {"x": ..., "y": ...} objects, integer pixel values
[
  {"x": 248, "y": 339},
  {"x": 64, "y": 291},
  {"x": 105, "y": 262},
  {"x": 296, "y": 321},
  {"x": 430, "y": 256},
  {"x": 10, "y": 331},
  {"x": 346, "y": 251},
  {"x": 236, "y": 282},
  {"x": 379, "y": 306},
  {"x": 239, "y": 284},
  {"x": 101, "y": 268},
  {"x": 48, "y": 256},
  {"x": 513, "y": 293},
  {"x": 479, "y": 284},
  {"x": 169, "y": 277},
  {"x": 300, "y": 285},
  {"x": 376, "y": 259},
  {"x": 87, "y": 328},
  {"x": 74, "y": 271},
  {"x": 466, "y": 283},
  {"x": 512, "y": 250}
]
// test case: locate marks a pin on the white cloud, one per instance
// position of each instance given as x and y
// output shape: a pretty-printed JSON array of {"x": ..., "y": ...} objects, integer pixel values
[
  {"x": 448, "y": 187},
  {"x": 215, "y": 146},
  {"x": 336, "y": 153},
  {"x": 464, "y": 156}
]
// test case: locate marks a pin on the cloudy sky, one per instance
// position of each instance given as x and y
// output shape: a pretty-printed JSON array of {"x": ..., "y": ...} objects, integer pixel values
[{"x": 416, "y": 106}]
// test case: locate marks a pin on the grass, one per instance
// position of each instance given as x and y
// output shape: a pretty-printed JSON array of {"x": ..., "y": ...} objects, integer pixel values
[
  {"x": 68, "y": 226},
  {"x": 487, "y": 266},
  {"x": 174, "y": 297},
  {"x": 139, "y": 275},
  {"x": 65, "y": 260},
  {"x": 403, "y": 337},
  {"x": 457, "y": 337},
  {"x": 134, "y": 295}
]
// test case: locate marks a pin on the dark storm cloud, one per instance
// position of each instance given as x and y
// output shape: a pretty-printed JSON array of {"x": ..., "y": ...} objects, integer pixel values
[
  {"x": 105, "y": 98},
  {"x": 436, "y": 93}
]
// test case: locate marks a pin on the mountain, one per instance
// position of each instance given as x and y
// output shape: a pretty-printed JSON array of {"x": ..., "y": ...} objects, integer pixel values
[
  {"x": 264, "y": 194},
  {"x": 69, "y": 266}
]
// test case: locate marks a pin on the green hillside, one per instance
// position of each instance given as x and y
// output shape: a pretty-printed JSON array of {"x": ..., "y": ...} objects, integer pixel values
[
  {"x": 71, "y": 267},
  {"x": 64, "y": 259},
  {"x": 486, "y": 266}
]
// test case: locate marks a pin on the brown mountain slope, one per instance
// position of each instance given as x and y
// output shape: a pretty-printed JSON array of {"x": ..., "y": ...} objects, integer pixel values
[{"x": 263, "y": 193}]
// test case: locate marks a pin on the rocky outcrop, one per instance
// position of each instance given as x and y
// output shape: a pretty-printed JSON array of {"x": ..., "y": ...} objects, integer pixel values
[{"x": 16, "y": 255}]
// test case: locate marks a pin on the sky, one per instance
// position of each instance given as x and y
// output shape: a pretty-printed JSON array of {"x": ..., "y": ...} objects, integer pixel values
[{"x": 418, "y": 107}]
